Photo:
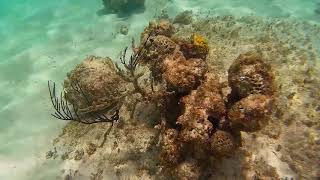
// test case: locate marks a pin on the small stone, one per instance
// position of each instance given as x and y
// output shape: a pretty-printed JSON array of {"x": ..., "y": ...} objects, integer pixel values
[
  {"x": 49, "y": 154},
  {"x": 124, "y": 29},
  {"x": 278, "y": 148},
  {"x": 184, "y": 18},
  {"x": 65, "y": 156},
  {"x": 52, "y": 154},
  {"x": 91, "y": 149},
  {"x": 78, "y": 154}
]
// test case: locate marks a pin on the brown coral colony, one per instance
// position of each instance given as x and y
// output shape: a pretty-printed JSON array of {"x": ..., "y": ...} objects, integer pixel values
[{"x": 203, "y": 119}]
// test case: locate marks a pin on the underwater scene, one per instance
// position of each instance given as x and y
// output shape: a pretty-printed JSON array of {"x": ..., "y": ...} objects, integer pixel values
[{"x": 160, "y": 90}]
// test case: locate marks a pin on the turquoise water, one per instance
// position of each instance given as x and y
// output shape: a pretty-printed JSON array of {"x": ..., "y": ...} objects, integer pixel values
[{"x": 43, "y": 40}]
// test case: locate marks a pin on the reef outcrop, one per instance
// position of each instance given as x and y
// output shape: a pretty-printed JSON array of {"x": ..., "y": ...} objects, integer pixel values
[{"x": 198, "y": 125}]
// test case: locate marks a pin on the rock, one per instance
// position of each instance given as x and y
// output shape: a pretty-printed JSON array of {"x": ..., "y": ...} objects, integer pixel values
[
  {"x": 201, "y": 105},
  {"x": 222, "y": 143},
  {"x": 250, "y": 113},
  {"x": 196, "y": 47},
  {"x": 124, "y": 29},
  {"x": 183, "y": 75},
  {"x": 91, "y": 149},
  {"x": 78, "y": 154},
  {"x": 52, "y": 154},
  {"x": 124, "y": 6},
  {"x": 188, "y": 170},
  {"x": 100, "y": 83},
  {"x": 249, "y": 74},
  {"x": 184, "y": 18},
  {"x": 170, "y": 148}
]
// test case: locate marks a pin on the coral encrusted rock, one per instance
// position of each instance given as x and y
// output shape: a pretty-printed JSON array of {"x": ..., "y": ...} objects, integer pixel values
[
  {"x": 250, "y": 113},
  {"x": 94, "y": 85},
  {"x": 162, "y": 27},
  {"x": 158, "y": 48},
  {"x": 170, "y": 147},
  {"x": 196, "y": 47},
  {"x": 249, "y": 74},
  {"x": 222, "y": 143},
  {"x": 183, "y": 75},
  {"x": 199, "y": 107}
]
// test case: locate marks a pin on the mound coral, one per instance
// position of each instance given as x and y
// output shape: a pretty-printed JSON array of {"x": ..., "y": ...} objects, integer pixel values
[
  {"x": 249, "y": 74},
  {"x": 183, "y": 75},
  {"x": 250, "y": 113},
  {"x": 156, "y": 51},
  {"x": 100, "y": 84},
  {"x": 222, "y": 143},
  {"x": 252, "y": 84}
]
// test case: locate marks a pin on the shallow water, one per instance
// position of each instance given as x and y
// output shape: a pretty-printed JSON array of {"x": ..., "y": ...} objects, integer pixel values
[{"x": 43, "y": 40}]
